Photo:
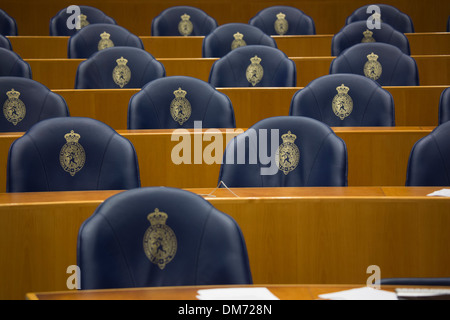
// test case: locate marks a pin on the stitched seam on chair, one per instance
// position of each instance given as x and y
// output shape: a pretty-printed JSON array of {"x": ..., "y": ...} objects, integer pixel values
[
  {"x": 315, "y": 158},
  {"x": 317, "y": 102},
  {"x": 103, "y": 159},
  {"x": 394, "y": 71},
  {"x": 197, "y": 262},
  {"x": 207, "y": 106},
  {"x": 367, "y": 105},
  {"x": 99, "y": 74},
  {"x": 42, "y": 162},
  {"x": 154, "y": 108},
  {"x": 276, "y": 71},
  {"x": 441, "y": 157},
  {"x": 143, "y": 73},
  {"x": 43, "y": 105}
]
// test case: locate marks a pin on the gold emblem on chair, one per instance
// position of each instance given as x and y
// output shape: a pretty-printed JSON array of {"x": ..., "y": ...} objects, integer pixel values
[
  {"x": 14, "y": 108},
  {"x": 238, "y": 41},
  {"x": 160, "y": 242},
  {"x": 281, "y": 25},
  {"x": 83, "y": 20},
  {"x": 255, "y": 71},
  {"x": 372, "y": 68},
  {"x": 185, "y": 26},
  {"x": 72, "y": 156},
  {"x": 105, "y": 41},
  {"x": 368, "y": 37},
  {"x": 342, "y": 103},
  {"x": 121, "y": 73},
  {"x": 287, "y": 156},
  {"x": 180, "y": 107}
]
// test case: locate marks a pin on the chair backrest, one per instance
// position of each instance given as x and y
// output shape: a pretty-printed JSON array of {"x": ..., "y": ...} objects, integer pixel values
[
  {"x": 118, "y": 67},
  {"x": 381, "y": 62},
  {"x": 448, "y": 24},
  {"x": 283, "y": 20},
  {"x": 429, "y": 161},
  {"x": 159, "y": 236},
  {"x": 8, "y": 25},
  {"x": 389, "y": 14},
  {"x": 183, "y": 21},
  {"x": 5, "y": 43},
  {"x": 444, "y": 106},
  {"x": 69, "y": 154},
  {"x": 341, "y": 100},
  {"x": 99, "y": 36},
  {"x": 89, "y": 15},
  {"x": 230, "y": 36},
  {"x": 254, "y": 66},
  {"x": 177, "y": 102},
  {"x": 26, "y": 102},
  {"x": 285, "y": 151},
  {"x": 357, "y": 32},
  {"x": 11, "y": 64}
]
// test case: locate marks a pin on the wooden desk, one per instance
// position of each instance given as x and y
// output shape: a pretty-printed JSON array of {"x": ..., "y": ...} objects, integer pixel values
[
  {"x": 293, "y": 235},
  {"x": 376, "y": 156},
  {"x": 60, "y": 73}
]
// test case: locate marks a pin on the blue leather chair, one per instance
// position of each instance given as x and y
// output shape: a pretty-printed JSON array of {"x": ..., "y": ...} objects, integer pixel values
[
  {"x": 118, "y": 67},
  {"x": 389, "y": 14},
  {"x": 292, "y": 21},
  {"x": 99, "y": 36},
  {"x": 11, "y": 64},
  {"x": 176, "y": 102},
  {"x": 444, "y": 106},
  {"x": 71, "y": 154},
  {"x": 254, "y": 66},
  {"x": 160, "y": 236},
  {"x": 381, "y": 62},
  {"x": 429, "y": 161},
  {"x": 345, "y": 100},
  {"x": 5, "y": 43},
  {"x": 227, "y": 37},
  {"x": 91, "y": 15},
  {"x": 357, "y": 32},
  {"x": 183, "y": 21},
  {"x": 26, "y": 102},
  {"x": 304, "y": 152},
  {"x": 8, "y": 25}
]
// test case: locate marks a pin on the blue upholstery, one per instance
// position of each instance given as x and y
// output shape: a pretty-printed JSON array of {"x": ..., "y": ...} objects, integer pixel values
[
  {"x": 319, "y": 157},
  {"x": 239, "y": 69},
  {"x": 69, "y": 154},
  {"x": 298, "y": 23},
  {"x": 162, "y": 105},
  {"x": 326, "y": 99},
  {"x": 8, "y": 25},
  {"x": 416, "y": 281},
  {"x": 397, "y": 68},
  {"x": 429, "y": 161},
  {"x": 26, "y": 102},
  {"x": 118, "y": 67},
  {"x": 5, "y": 43},
  {"x": 389, "y": 14},
  {"x": 119, "y": 248},
  {"x": 11, "y": 64},
  {"x": 58, "y": 24},
  {"x": 170, "y": 22},
  {"x": 353, "y": 33},
  {"x": 224, "y": 39},
  {"x": 96, "y": 37},
  {"x": 444, "y": 106}
]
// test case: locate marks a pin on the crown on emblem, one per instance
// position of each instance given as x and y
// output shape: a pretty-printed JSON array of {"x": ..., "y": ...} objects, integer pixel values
[
  {"x": 105, "y": 35},
  {"x": 255, "y": 60},
  {"x": 238, "y": 36},
  {"x": 157, "y": 217},
  {"x": 83, "y": 17},
  {"x": 288, "y": 137},
  {"x": 13, "y": 94},
  {"x": 180, "y": 93},
  {"x": 367, "y": 33},
  {"x": 185, "y": 17},
  {"x": 372, "y": 57},
  {"x": 121, "y": 61},
  {"x": 281, "y": 16},
  {"x": 343, "y": 89},
  {"x": 72, "y": 137}
]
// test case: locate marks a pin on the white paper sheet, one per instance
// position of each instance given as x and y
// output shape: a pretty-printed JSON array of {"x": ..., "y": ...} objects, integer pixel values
[
  {"x": 364, "y": 293},
  {"x": 440, "y": 193},
  {"x": 236, "y": 294}
]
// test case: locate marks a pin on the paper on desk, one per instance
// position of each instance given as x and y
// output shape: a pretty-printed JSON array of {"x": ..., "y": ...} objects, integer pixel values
[
  {"x": 236, "y": 294},
  {"x": 364, "y": 293},
  {"x": 440, "y": 193}
]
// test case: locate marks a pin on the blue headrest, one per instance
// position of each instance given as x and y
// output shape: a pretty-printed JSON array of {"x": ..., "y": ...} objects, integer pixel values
[
  {"x": 5, "y": 43},
  {"x": 226, "y": 37},
  {"x": 345, "y": 100},
  {"x": 118, "y": 67},
  {"x": 159, "y": 236},
  {"x": 71, "y": 153},
  {"x": 178, "y": 101},
  {"x": 8, "y": 25},
  {"x": 239, "y": 68},
  {"x": 444, "y": 106},
  {"x": 11, "y": 64}
]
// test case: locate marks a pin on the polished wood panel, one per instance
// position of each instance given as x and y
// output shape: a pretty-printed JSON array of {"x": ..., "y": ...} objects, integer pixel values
[{"x": 293, "y": 235}]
